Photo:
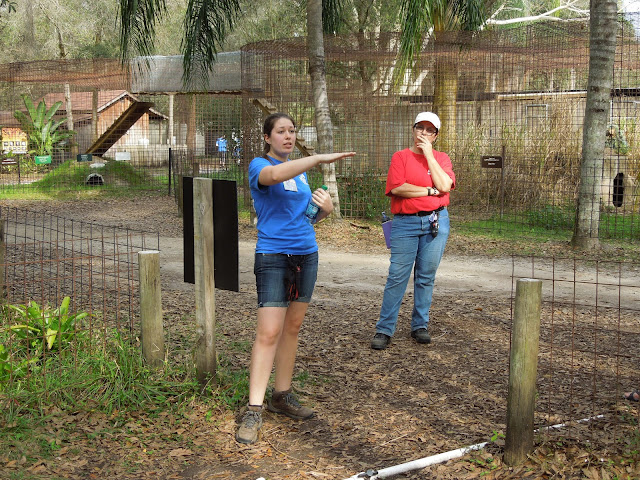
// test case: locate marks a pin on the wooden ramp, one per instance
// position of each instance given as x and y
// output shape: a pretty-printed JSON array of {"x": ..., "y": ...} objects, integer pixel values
[
  {"x": 118, "y": 128},
  {"x": 267, "y": 107}
]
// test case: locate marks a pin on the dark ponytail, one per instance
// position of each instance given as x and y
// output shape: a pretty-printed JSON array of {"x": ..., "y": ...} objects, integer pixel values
[{"x": 267, "y": 128}]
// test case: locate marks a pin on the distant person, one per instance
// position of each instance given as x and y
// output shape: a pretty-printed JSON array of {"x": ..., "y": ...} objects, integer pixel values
[
  {"x": 221, "y": 143},
  {"x": 419, "y": 181},
  {"x": 286, "y": 266}
]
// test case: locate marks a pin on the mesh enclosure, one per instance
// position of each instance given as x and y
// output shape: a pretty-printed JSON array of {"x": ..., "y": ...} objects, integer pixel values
[{"x": 517, "y": 95}]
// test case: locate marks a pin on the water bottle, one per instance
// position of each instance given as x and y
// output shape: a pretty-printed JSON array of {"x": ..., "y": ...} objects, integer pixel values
[{"x": 311, "y": 213}]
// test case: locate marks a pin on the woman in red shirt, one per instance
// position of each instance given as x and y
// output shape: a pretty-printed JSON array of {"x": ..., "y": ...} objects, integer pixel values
[{"x": 419, "y": 181}]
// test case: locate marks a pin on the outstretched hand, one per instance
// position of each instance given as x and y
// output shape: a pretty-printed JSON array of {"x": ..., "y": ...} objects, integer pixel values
[{"x": 333, "y": 157}]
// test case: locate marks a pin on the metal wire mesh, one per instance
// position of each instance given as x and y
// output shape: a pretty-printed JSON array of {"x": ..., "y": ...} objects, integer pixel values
[
  {"x": 589, "y": 337},
  {"x": 46, "y": 258},
  {"x": 519, "y": 94}
]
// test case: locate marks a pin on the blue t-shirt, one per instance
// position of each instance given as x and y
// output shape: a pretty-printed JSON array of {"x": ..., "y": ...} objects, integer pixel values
[
  {"x": 222, "y": 144},
  {"x": 282, "y": 227}
]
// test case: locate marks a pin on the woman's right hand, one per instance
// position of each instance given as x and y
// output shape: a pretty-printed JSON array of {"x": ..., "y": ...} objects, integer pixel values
[
  {"x": 333, "y": 157},
  {"x": 424, "y": 144}
]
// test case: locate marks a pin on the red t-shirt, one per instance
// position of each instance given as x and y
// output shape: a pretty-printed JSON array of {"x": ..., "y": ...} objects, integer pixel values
[{"x": 409, "y": 167}]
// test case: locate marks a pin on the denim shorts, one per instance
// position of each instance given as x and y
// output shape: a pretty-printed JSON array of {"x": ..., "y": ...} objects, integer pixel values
[{"x": 272, "y": 271}]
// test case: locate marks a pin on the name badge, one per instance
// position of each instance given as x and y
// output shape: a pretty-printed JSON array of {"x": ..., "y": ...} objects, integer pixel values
[{"x": 290, "y": 185}]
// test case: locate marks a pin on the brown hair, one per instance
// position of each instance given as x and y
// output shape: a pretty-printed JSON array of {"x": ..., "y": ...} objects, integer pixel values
[{"x": 269, "y": 123}]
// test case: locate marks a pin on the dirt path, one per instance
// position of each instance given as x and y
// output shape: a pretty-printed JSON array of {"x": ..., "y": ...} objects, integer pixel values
[{"x": 458, "y": 274}]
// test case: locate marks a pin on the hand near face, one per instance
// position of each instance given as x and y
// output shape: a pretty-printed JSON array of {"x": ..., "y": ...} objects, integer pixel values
[{"x": 424, "y": 144}]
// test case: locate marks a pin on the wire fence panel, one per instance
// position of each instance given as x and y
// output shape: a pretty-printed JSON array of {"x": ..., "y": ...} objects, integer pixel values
[
  {"x": 46, "y": 258},
  {"x": 589, "y": 346}
]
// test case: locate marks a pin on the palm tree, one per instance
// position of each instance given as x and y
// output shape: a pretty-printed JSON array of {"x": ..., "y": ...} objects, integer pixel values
[
  {"x": 435, "y": 18},
  {"x": 602, "y": 50}
]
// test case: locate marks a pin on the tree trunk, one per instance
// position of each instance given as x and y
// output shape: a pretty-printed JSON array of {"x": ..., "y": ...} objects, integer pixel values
[
  {"x": 324, "y": 127},
  {"x": 444, "y": 102},
  {"x": 67, "y": 96},
  {"x": 69, "y": 107},
  {"x": 191, "y": 131},
  {"x": 602, "y": 49},
  {"x": 29, "y": 27},
  {"x": 94, "y": 115}
]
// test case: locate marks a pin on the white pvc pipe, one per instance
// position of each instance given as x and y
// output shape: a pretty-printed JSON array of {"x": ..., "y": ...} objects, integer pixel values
[
  {"x": 439, "y": 458},
  {"x": 417, "y": 464}
]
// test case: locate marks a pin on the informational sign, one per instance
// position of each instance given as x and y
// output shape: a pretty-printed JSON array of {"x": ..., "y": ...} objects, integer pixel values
[
  {"x": 14, "y": 140},
  {"x": 42, "y": 159},
  {"x": 491, "y": 161},
  {"x": 84, "y": 157}
]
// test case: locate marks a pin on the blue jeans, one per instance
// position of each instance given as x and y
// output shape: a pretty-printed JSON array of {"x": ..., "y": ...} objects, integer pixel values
[
  {"x": 412, "y": 244},
  {"x": 272, "y": 274}
]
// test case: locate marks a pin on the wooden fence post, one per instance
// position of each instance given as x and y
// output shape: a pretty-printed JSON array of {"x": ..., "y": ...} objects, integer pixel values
[
  {"x": 204, "y": 280},
  {"x": 523, "y": 367},
  {"x": 151, "y": 308}
]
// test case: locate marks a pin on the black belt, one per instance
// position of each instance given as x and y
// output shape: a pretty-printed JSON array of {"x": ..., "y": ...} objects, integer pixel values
[{"x": 418, "y": 214}]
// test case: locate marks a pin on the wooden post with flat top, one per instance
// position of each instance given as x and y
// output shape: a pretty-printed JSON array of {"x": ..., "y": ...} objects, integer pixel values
[
  {"x": 523, "y": 368},
  {"x": 204, "y": 280},
  {"x": 151, "y": 308}
]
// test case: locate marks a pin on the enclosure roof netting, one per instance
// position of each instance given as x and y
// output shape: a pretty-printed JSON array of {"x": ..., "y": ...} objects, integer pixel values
[
  {"x": 95, "y": 72},
  {"x": 561, "y": 44}
]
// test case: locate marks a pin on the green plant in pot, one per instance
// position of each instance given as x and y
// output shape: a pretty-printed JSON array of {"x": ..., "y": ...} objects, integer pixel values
[{"x": 42, "y": 130}]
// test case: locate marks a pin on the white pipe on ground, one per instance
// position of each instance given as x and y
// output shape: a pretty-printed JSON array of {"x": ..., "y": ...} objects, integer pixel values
[
  {"x": 373, "y": 474},
  {"x": 417, "y": 464}
]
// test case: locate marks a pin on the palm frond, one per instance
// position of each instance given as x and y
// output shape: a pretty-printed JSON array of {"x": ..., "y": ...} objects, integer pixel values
[
  {"x": 138, "y": 20},
  {"x": 419, "y": 16},
  {"x": 417, "y": 20},
  {"x": 471, "y": 14},
  {"x": 332, "y": 16},
  {"x": 206, "y": 25}
]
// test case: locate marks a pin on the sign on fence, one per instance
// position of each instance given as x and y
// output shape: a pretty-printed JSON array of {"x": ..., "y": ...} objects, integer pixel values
[{"x": 491, "y": 161}]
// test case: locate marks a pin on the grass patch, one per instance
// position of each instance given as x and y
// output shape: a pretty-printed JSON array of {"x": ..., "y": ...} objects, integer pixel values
[
  {"x": 106, "y": 380},
  {"x": 553, "y": 223}
]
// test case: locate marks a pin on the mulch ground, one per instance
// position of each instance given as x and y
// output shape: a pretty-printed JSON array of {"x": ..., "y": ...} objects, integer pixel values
[{"x": 375, "y": 409}]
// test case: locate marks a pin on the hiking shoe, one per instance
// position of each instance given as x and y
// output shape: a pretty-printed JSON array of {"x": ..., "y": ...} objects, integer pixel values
[
  {"x": 250, "y": 425},
  {"x": 421, "y": 335},
  {"x": 287, "y": 404},
  {"x": 380, "y": 341}
]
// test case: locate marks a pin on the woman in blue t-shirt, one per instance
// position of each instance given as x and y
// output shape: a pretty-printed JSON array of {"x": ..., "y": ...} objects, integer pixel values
[{"x": 286, "y": 266}]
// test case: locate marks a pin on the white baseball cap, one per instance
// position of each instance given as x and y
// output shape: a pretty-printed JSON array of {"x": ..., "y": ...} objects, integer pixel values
[{"x": 428, "y": 117}]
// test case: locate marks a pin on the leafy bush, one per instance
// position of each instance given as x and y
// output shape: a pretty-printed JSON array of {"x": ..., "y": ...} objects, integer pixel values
[
  {"x": 42, "y": 131},
  {"x": 38, "y": 330}
]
